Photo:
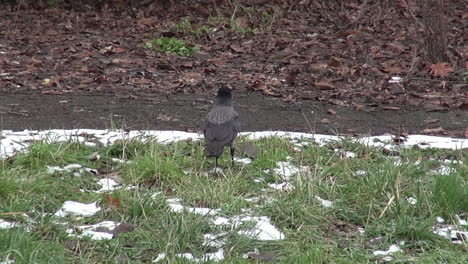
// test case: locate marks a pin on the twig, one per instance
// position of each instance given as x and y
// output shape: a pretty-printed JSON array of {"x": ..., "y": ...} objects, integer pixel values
[{"x": 386, "y": 207}]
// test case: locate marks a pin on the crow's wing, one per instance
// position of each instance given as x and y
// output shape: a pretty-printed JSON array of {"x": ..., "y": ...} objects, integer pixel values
[
  {"x": 221, "y": 114},
  {"x": 218, "y": 135}
]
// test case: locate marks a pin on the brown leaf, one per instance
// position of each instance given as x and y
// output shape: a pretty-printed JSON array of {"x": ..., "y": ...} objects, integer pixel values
[
  {"x": 187, "y": 64},
  {"x": 324, "y": 85},
  {"x": 465, "y": 133},
  {"x": 436, "y": 130},
  {"x": 431, "y": 121},
  {"x": 112, "y": 202},
  {"x": 237, "y": 48},
  {"x": 318, "y": 66},
  {"x": 391, "y": 108},
  {"x": 53, "y": 92},
  {"x": 324, "y": 121},
  {"x": 336, "y": 102},
  {"x": 331, "y": 112},
  {"x": 335, "y": 62},
  {"x": 242, "y": 22},
  {"x": 464, "y": 106},
  {"x": 260, "y": 86},
  {"x": 358, "y": 107},
  {"x": 440, "y": 69}
]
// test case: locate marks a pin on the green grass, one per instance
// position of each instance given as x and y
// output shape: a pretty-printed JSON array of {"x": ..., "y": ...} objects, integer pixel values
[
  {"x": 171, "y": 45},
  {"x": 369, "y": 191}
]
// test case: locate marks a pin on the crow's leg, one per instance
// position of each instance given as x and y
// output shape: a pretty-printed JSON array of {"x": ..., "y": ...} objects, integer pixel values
[
  {"x": 216, "y": 162},
  {"x": 232, "y": 155}
]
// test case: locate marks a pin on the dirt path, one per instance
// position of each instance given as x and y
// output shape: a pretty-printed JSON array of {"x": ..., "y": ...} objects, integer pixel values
[{"x": 187, "y": 112}]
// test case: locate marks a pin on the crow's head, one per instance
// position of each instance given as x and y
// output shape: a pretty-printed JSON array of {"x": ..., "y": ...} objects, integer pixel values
[{"x": 224, "y": 92}]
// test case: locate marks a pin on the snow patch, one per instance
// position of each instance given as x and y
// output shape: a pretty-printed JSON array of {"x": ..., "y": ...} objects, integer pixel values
[{"x": 78, "y": 209}]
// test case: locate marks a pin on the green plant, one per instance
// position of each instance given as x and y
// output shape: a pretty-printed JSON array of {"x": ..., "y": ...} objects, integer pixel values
[{"x": 170, "y": 45}]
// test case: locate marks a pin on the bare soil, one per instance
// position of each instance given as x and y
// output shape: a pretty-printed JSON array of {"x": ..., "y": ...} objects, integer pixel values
[{"x": 186, "y": 112}]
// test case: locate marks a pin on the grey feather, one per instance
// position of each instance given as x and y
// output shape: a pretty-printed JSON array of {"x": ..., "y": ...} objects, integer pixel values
[{"x": 221, "y": 127}]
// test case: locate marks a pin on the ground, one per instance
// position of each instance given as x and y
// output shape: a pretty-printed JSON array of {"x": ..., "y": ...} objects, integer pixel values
[
  {"x": 186, "y": 113},
  {"x": 295, "y": 70}
]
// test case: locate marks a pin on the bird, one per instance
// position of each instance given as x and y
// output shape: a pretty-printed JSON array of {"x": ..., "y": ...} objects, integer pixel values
[{"x": 221, "y": 126}]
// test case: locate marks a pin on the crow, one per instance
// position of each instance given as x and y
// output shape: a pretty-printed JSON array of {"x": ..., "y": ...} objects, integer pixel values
[{"x": 221, "y": 125}]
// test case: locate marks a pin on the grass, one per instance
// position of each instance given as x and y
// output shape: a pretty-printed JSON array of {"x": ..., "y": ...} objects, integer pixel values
[
  {"x": 369, "y": 192},
  {"x": 171, "y": 45}
]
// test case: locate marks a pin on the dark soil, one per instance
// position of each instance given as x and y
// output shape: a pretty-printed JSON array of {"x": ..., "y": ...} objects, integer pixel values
[
  {"x": 186, "y": 113},
  {"x": 302, "y": 67}
]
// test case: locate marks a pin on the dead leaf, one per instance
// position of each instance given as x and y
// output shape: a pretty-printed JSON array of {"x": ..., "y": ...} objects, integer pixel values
[
  {"x": 336, "y": 102},
  {"x": 112, "y": 203},
  {"x": 242, "y": 22},
  {"x": 165, "y": 117},
  {"x": 440, "y": 69},
  {"x": 431, "y": 121},
  {"x": 358, "y": 107},
  {"x": 260, "y": 86},
  {"x": 53, "y": 92},
  {"x": 324, "y": 121},
  {"x": 331, "y": 112},
  {"x": 464, "y": 106},
  {"x": 391, "y": 108},
  {"x": 237, "y": 48},
  {"x": 436, "y": 130},
  {"x": 324, "y": 85},
  {"x": 465, "y": 133},
  {"x": 335, "y": 62}
]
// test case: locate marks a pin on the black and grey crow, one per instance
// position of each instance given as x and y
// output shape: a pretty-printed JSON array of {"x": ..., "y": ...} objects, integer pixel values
[{"x": 221, "y": 126}]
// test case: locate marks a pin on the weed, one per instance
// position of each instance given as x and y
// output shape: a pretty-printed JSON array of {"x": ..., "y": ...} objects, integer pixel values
[{"x": 170, "y": 45}]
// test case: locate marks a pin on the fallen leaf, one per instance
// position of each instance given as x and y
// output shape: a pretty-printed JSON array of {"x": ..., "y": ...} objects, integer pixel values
[
  {"x": 440, "y": 69},
  {"x": 324, "y": 121},
  {"x": 464, "y": 106},
  {"x": 436, "y": 130},
  {"x": 358, "y": 107},
  {"x": 391, "y": 108},
  {"x": 431, "y": 121},
  {"x": 466, "y": 133},
  {"x": 53, "y": 92},
  {"x": 165, "y": 117},
  {"x": 331, "y": 112},
  {"x": 237, "y": 48},
  {"x": 324, "y": 85},
  {"x": 112, "y": 202},
  {"x": 336, "y": 102}
]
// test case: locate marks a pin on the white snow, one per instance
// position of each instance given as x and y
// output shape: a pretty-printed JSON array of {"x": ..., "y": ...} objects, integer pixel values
[
  {"x": 393, "y": 249},
  {"x": 107, "y": 185},
  {"x": 91, "y": 230},
  {"x": 215, "y": 256},
  {"x": 324, "y": 203},
  {"x": 7, "y": 225},
  {"x": 78, "y": 209}
]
